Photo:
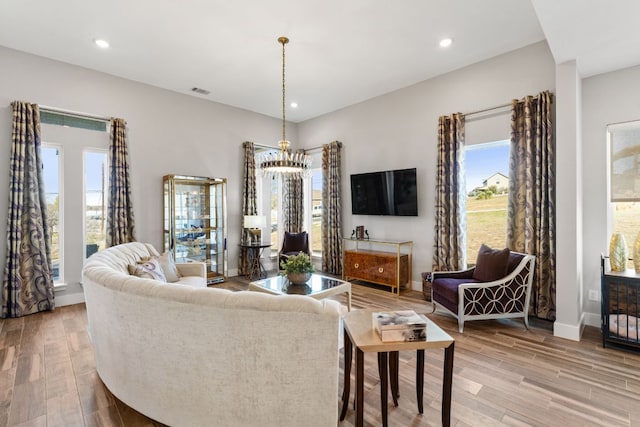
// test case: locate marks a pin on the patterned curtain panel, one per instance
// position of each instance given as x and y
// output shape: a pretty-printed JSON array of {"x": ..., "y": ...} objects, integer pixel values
[
  {"x": 449, "y": 248},
  {"x": 120, "y": 222},
  {"x": 332, "y": 212},
  {"x": 249, "y": 200},
  {"x": 27, "y": 286},
  {"x": 292, "y": 204},
  {"x": 531, "y": 208}
]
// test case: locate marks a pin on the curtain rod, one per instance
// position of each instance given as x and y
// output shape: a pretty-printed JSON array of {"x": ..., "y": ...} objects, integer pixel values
[
  {"x": 484, "y": 110},
  {"x": 74, "y": 113},
  {"x": 497, "y": 107}
]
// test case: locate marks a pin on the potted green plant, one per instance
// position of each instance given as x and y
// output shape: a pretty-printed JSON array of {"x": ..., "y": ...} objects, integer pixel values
[{"x": 297, "y": 268}]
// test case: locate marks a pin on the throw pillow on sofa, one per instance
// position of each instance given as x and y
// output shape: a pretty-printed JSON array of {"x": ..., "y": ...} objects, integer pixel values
[
  {"x": 148, "y": 269},
  {"x": 169, "y": 267},
  {"x": 491, "y": 264}
]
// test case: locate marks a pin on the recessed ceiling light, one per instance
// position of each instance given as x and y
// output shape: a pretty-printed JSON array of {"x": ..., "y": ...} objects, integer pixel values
[
  {"x": 101, "y": 43},
  {"x": 294, "y": 105},
  {"x": 446, "y": 42}
]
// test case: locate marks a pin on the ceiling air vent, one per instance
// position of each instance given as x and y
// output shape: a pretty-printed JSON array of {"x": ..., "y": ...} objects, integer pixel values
[{"x": 200, "y": 91}]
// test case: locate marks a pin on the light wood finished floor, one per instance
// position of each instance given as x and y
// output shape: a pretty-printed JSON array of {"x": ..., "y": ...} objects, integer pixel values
[{"x": 503, "y": 375}]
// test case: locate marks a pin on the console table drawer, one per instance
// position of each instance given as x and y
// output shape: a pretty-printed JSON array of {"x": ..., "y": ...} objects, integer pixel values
[{"x": 376, "y": 267}]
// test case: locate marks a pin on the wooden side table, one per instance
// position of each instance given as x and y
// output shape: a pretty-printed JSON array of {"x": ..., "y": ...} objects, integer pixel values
[
  {"x": 426, "y": 285},
  {"x": 254, "y": 252},
  {"x": 359, "y": 333}
]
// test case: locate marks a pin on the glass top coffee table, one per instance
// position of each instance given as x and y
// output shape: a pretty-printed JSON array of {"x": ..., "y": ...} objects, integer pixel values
[{"x": 317, "y": 287}]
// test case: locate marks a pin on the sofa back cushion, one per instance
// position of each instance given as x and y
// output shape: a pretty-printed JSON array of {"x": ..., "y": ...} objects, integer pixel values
[
  {"x": 491, "y": 264},
  {"x": 119, "y": 257}
]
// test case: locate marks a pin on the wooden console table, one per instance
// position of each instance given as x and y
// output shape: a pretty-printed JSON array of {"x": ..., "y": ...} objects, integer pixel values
[{"x": 364, "y": 261}]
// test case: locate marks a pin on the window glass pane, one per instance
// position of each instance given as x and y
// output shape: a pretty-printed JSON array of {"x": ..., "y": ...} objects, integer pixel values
[
  {"x": 95, "y": 163},
  {"x": 51, "y": 170},
  {"x": 625, "y": 162},
  {"x": 274, "y": 202},
  {"x": 625, "y": 221},
  {"x": 316, "y": 211},
  {"x": 487, "y": 168}
]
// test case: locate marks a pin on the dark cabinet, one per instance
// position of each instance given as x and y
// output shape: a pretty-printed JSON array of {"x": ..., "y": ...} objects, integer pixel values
[{"x": 620, "y": 301}]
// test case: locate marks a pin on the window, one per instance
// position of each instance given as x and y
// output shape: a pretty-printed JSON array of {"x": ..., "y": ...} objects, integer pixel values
[
  {"x": 624, "y": 179},
  {"x": 270, "y": 204},
  {"x": 487, "y": 169},
  {"x": 315, "y": 207},
  {"x": 274, "y": 213},
  {"x": 74, "y": 148},
  {"x": 95, "y": 199},
  {"x": 51, "y": 160}
]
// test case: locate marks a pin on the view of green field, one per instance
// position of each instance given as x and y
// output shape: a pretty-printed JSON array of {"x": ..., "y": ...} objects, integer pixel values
[{"x": 486, "y": 223}]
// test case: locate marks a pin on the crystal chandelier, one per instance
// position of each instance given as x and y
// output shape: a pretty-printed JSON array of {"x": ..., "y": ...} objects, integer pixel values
[{"x": 284, "y": 162}]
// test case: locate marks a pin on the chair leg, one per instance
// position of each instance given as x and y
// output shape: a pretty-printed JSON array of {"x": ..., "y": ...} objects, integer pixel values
[
  {"x": 460, "y": 324},
  {"x": 526, "y": 321},
  {"x": 433, "y": 307}
]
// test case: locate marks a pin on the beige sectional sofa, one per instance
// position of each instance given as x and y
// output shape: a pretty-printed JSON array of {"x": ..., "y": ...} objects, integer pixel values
[{"x": 189, "y": 356}]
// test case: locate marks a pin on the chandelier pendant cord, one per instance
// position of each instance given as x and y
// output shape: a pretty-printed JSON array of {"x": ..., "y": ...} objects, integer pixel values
[
  {"x": 284, "y": 41},
  {"x": 285, "y": 162}
]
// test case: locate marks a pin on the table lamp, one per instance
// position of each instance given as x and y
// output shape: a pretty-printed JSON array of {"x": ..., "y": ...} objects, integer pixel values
[{"x": 255, "y": 224}]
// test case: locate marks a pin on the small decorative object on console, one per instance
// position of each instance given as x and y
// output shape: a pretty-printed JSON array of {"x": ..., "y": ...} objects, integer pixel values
[
  {"x": 359, "y": 233},
  {"x": 403, "y": 325},
  {"x": 618, "y": 252}
]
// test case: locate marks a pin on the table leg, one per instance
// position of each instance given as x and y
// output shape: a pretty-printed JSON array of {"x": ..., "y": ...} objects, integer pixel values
[
  {"x": 394, "y": 361},
  {"x": 447, "y": 382},
  {"x": 384, "y": 385},
  {"x": 253, "y": 258},
  {"x": 359, "y": 387},
  {"x": 348, "y": 348},
  {"x": 261, "y": 270},
  {"x": 420, "y": 379}
]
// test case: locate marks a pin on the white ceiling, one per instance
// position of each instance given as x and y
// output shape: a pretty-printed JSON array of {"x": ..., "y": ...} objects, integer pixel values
[{"x": 341, "y": 51}]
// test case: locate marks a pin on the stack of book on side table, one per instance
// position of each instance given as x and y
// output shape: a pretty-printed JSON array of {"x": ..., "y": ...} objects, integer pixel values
[{"x": 403, "y": 325}]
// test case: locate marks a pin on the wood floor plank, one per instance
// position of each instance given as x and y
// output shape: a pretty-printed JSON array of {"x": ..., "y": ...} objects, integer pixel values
[
  {"x": 105, "y": 417},
  {"x": 94, "y": 396},
  {"x": 63, "y": 410},
  {"x": 8, "y": 357},
  {"x": 30, "y": 368},
  {"x": 28, "y": 402}
]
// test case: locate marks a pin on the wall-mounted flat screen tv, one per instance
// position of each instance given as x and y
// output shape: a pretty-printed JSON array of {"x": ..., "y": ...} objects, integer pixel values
[{"x": 391, "y": 192}]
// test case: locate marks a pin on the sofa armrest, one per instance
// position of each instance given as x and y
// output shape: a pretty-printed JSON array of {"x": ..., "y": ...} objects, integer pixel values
[
  {"x": 462, "y": 274},
  {"x": 194, "y": 268}
]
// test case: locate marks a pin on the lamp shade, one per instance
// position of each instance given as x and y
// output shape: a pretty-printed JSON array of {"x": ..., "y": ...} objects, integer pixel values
[{"x": 255, "y": 221}]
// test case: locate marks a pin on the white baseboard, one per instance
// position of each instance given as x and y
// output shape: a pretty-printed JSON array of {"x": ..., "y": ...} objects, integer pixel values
[
  {"x": 592, "y": 319},
  {"x": 570, "y": 332},
  {"x": 63, "y": 299}
]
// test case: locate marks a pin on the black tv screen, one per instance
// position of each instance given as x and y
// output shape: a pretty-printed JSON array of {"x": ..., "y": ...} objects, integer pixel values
[{"x": 385, "y": 193}]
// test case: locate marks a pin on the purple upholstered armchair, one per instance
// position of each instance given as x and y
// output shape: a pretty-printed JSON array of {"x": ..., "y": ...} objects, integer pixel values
[
  {"x": 293, "y": 244},
  {"x": 480, "y": 293}
]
